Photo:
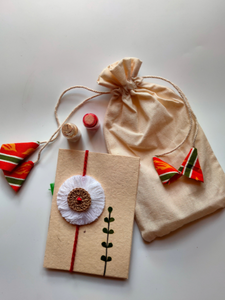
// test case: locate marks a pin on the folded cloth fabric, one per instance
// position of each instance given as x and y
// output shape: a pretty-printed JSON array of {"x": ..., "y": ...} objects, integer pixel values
[
  {"x": 13, "y": 154},
  {"x": 12, "y": 162},
  {"x": 17, "y": 177},
  {"x": 190, "y": 168}
]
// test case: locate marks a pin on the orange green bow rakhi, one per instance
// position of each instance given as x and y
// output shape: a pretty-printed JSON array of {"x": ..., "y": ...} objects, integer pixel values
[
  {"x": 190, "y": 168},
  {"x": 12, "y": 162}
]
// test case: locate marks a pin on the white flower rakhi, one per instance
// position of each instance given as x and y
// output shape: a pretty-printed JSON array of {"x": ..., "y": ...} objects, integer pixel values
[{"x": 80, "y": 201}]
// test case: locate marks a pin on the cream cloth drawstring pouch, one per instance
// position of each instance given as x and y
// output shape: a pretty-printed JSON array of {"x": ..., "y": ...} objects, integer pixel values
[{"x": 148, "y": 120}]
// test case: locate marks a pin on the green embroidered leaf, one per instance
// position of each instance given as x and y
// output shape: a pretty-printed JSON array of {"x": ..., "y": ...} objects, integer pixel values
[
  {"x": 103, "y": 258},
  {"x": 111, "y": 220},
  {"x": 105, "y": 230},
  {"x": 111, "y": 231},
  {"x": 109, "y": 258},
  {"x": 110, "y": 209},
  {"x": 104, "y": 244},
  {"x": 106, "y": 220}
]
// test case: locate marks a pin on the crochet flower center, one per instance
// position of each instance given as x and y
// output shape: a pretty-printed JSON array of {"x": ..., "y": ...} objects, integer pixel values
[{"x": 79, "y": 200}]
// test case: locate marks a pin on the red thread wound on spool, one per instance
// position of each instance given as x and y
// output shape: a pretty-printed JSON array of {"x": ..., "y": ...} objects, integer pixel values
[{"x": 90, "y": 120}]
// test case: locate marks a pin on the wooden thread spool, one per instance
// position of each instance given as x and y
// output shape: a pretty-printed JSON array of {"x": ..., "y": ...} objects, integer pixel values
[{"x": 71, "y": 132}]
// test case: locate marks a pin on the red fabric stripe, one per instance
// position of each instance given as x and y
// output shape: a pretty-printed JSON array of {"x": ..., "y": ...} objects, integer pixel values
[
  {"x": 85, "y": 162},
  {"x": 22, "y": 150},
  {"x": 22, "y": 171},
  {"x": 74, "y": 249},
  {"x": 15, "y": 188},
  {"x": 7, "y": 166}
]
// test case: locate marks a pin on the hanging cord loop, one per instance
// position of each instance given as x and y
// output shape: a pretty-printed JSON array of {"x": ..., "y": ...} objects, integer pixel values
[
  {"x": 56, "y": 133},
  {"x": 190, "y": 115}
]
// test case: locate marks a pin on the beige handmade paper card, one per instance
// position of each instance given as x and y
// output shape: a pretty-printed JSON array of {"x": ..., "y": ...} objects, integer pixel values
[{"x": 103, "y": 246}]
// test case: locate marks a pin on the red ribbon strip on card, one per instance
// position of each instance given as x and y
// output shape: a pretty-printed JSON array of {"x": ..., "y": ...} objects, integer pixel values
[{"x": 77, "y": 226}]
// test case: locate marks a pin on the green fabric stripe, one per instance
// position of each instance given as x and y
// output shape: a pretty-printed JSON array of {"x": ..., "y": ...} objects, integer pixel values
[
  {"x": 167, "y": 176},
  {"x": 15, "y": 181},
  {"x": 181, "y": 169},
  {"x": 9, "y": 158},
  {"x": 191, "y": 162}
]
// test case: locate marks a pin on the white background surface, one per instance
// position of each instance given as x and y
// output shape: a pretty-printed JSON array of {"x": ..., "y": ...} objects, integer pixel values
[{"x": 48, "y": 46}]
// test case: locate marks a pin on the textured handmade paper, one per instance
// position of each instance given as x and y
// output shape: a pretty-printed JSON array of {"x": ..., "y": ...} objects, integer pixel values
[{"x": 118, "y": 176}]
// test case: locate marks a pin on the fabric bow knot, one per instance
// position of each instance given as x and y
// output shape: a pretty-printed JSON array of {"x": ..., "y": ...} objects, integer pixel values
[
  {"x": 190, "y": 168},
  {"x": 133, "y": 83}
]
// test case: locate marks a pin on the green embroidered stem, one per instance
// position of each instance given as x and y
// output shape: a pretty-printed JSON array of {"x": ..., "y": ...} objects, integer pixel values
[
  {"x": 106, "y": 249},
  {"x": 106, "y": 244}
]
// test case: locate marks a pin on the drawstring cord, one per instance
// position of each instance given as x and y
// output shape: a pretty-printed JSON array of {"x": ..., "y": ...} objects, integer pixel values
[
  {"x": 56, "y": 133},
  {"x": 190, "y": 114},
  {"x": 98, "y": 93}
]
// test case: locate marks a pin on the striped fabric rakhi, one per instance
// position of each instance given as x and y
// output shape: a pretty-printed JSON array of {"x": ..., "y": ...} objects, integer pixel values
[
  {"x": 12, "y": 163},
  {"x": 190, "y": 168},
  {"x": 17, "y": 177}
]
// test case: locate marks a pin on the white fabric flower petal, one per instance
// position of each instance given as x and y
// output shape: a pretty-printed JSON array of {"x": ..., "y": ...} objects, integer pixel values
[{"x": 93, "y": 187}]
